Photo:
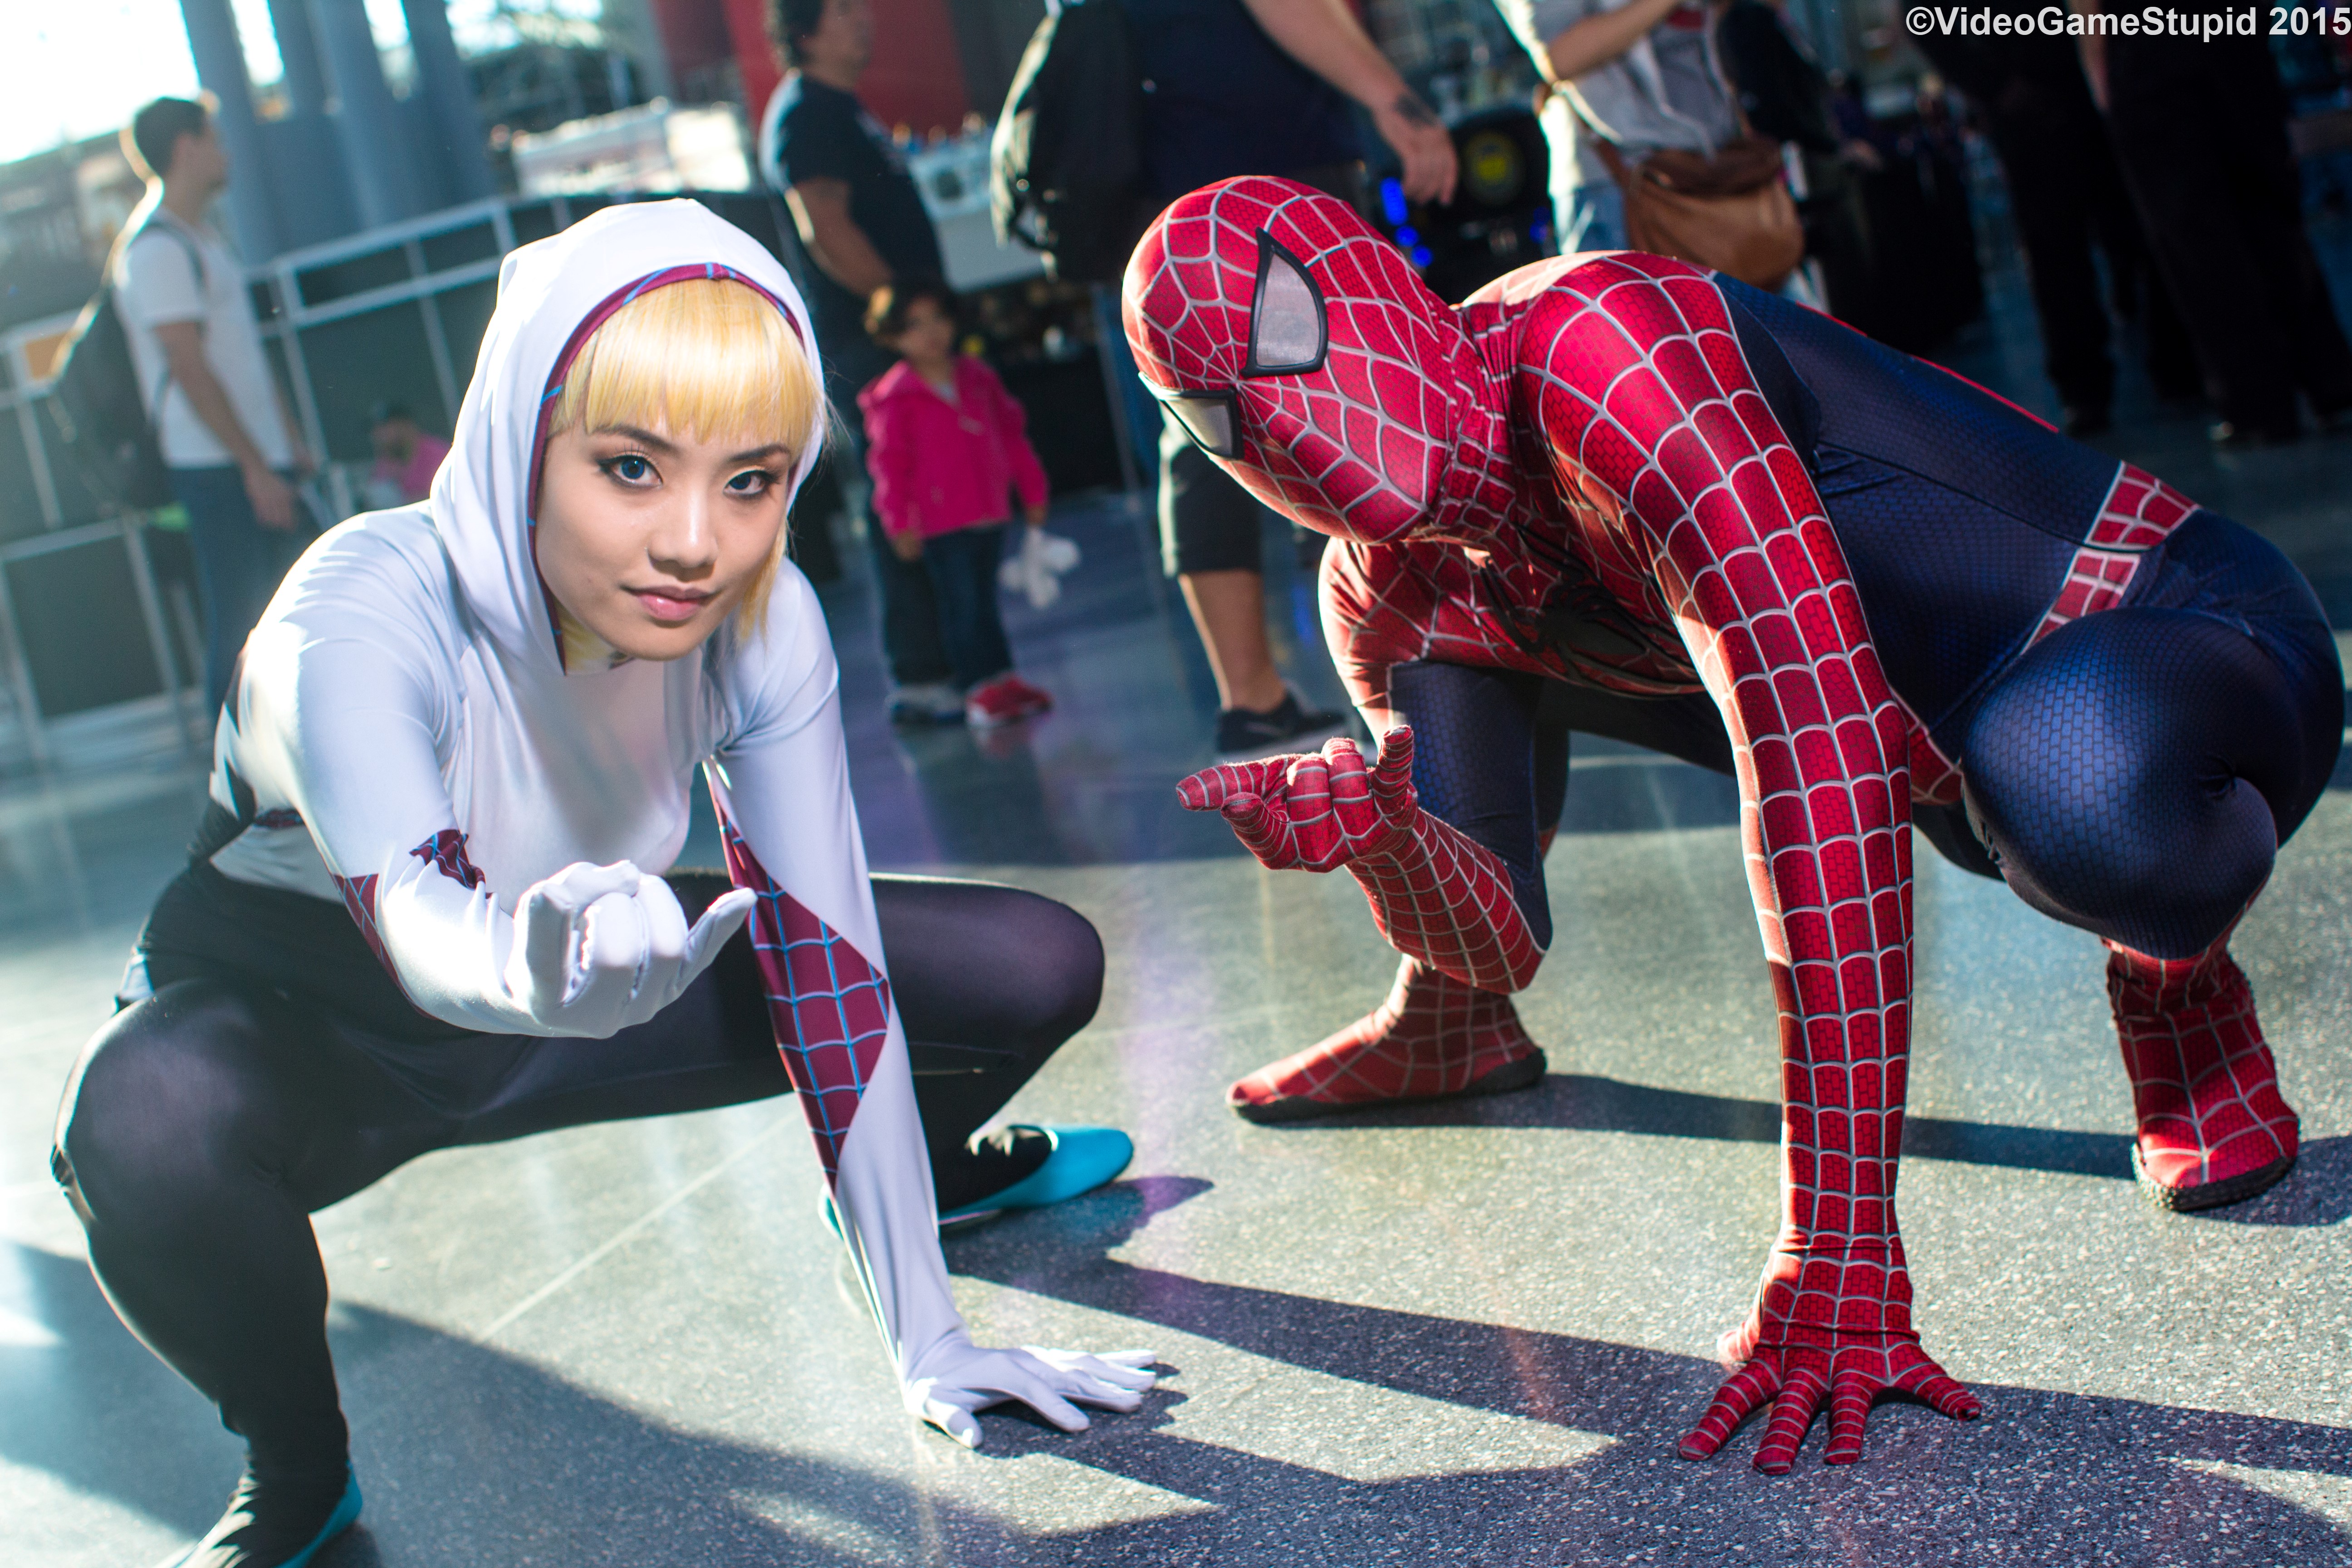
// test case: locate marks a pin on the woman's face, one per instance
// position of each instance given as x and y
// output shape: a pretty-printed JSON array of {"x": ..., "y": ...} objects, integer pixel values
[{"x": 651, "y": 541}]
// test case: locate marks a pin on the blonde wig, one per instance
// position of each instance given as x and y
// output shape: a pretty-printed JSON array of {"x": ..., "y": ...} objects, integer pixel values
[{"x": 704, "y": 359}]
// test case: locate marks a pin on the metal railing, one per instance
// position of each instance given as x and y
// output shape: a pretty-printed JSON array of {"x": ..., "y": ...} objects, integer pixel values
[{"x": 398, "y": 286}]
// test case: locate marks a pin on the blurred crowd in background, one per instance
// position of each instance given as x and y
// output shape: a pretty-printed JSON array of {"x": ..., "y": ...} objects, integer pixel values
[{"x": 338, "y": 227}]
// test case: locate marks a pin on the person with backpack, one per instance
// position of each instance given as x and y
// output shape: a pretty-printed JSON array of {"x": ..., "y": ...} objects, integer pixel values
[{"x": 227, "y": 439}]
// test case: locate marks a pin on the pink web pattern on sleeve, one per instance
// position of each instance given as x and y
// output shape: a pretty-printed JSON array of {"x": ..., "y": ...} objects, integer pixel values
[
  {"x": 359, "y": 897},
  {"x": 445, "y": 853},
  {"x": 830, "y": 1009}
]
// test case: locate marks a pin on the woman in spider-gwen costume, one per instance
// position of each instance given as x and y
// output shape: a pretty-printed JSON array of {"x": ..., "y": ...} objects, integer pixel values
[
  {"x": 1909, "y": 603},
  {"x": 473, "y": 724}
]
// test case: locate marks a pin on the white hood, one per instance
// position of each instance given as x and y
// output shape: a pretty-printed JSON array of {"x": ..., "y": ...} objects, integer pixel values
[{"x": 482, "y": 495}]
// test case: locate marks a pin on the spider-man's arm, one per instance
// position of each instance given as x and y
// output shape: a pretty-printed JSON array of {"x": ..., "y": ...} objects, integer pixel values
[
  {"x": 1436, "y": 893},
  {"x": 1639, "y": 382}
]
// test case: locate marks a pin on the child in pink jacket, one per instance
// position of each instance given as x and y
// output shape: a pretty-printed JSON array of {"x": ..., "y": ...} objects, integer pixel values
[{"x": 945, "y": 446}]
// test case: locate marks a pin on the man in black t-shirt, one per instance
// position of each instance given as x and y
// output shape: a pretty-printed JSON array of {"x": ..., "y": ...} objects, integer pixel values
[{"x": 862, "y": 223}]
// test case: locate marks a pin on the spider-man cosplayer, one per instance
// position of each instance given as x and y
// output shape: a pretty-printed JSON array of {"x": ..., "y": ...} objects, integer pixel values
[{"x": 1909, "y": 602}]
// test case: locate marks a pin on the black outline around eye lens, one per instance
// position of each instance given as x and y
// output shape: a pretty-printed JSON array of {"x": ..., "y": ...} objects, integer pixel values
[
  {"x": 1227, "y": 401},
  {"x": 1268, "y": 249}
]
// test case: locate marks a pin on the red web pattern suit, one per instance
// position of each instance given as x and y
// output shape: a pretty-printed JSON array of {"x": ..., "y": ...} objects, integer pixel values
[
  {"x": 1665, "y": 478},
  {"x": 1587, "y": 439}
]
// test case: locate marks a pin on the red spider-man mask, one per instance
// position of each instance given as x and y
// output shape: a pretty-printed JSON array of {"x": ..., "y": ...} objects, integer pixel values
[{"x": 1302, "y": 352}]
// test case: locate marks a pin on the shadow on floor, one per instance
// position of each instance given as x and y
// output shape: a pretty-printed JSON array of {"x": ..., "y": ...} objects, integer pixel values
[
  {"x": 1935, "y": 1481},
  {"x": 487, "y": 1458},
  {"x": 2318, "y": 1191}
]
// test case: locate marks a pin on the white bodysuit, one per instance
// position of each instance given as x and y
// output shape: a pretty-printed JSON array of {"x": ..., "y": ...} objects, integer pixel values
[{"x": 404, "y": 737}]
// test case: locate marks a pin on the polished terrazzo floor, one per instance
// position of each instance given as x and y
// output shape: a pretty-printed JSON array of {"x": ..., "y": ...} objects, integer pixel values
[{"x": 1467, "y": 1333}]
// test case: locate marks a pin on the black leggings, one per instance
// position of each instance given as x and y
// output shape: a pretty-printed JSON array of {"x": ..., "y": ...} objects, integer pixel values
[
  {"x": 963, "y": 565},
  {"x": 204, "y": 1124}
]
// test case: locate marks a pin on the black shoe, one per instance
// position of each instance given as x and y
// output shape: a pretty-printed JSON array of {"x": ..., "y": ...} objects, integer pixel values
[
  {"x": 277, "y": 1523},
  {"x": 1287, "y": 727}
]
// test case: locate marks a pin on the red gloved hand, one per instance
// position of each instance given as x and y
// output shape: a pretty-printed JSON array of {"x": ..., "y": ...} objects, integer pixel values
[
  {"x": 1320, "y": 811},
  {"x": 1824, "y": 1328}
]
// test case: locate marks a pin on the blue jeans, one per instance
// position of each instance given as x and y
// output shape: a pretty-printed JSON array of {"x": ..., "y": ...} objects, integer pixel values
[
  {"x": 239, "y": 561},
  {"x": 963, "y": 566},
  {"x": 1591, "y": 218},
  {"x": 909, "y": 617}
]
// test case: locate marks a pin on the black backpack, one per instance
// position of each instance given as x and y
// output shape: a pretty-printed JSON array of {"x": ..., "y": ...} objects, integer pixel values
[
  {"x": 1066, "y": 163},
  {"x": 104, "y": 420}
]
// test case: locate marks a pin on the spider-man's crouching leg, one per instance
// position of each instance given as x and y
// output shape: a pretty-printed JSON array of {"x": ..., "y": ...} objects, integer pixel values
[
  {"x": 2135, "y": 774},
  {"x": 1435, "y": 1038},
  {"x": 2213, "y": 1128}
]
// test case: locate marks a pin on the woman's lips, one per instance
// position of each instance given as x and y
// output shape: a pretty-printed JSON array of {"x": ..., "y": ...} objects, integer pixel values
[{"x": 672, "y": 608}]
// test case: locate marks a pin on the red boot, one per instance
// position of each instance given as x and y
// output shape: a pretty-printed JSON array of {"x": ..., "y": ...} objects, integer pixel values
[
  {"x": 2212, "y": 1128},
  {"x": 1434, "y": 1038}
]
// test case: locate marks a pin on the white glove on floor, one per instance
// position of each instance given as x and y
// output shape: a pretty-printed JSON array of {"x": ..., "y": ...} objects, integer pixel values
[{"x": 960, "y": 1378}]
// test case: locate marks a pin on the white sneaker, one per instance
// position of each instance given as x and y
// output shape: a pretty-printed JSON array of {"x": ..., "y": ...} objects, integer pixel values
[{"x": 929, "y": 702}]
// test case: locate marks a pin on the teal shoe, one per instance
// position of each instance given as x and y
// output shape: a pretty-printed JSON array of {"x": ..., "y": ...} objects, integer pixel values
[
  {"x": 1083, "y": 1158},
  {"x": 346, "y": 1514},
  {"x": 231, "y": 1540}
]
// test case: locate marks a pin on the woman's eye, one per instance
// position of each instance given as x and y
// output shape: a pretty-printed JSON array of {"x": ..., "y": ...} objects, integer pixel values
[
  {"x": 629, "y": 467},
  {"x": 752, "y": 482}
]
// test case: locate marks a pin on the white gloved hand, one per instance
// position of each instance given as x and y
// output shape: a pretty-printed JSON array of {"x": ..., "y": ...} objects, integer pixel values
[
  {"x": 959, "y": 1377},
  {"x": 1035, "y": 569},
  {"x": 598, "y": 948}
]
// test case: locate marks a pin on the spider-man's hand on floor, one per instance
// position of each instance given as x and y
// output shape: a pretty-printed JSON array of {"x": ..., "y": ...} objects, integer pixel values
[
  {"x": 1824, "y": 1332},
  {"x": 1317, "y": 812}
]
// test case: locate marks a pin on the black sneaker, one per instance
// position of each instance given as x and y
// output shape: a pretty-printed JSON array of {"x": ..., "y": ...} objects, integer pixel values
[{"x": 1289, "y": 726}]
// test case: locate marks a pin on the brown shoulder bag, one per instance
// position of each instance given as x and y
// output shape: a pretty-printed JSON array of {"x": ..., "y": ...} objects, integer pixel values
[{"x": 1730, "y": 212}]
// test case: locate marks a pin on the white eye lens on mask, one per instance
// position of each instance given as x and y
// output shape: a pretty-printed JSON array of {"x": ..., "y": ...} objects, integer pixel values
[
  {"x": 1288, "y": 333},
  {"x": 1207, "y": 417}
]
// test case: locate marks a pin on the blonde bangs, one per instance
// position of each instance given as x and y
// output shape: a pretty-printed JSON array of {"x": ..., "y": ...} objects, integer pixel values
[{"x": 705, "y": 360}]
